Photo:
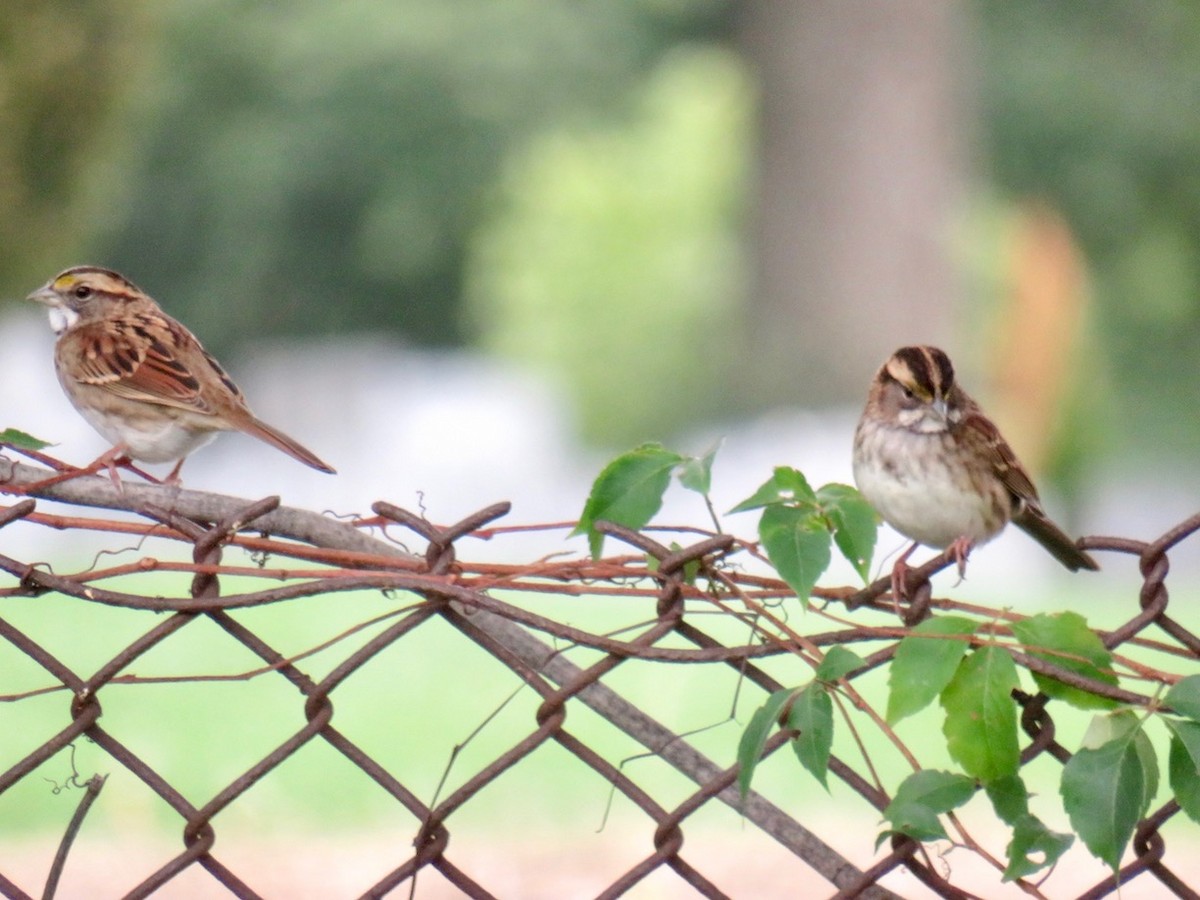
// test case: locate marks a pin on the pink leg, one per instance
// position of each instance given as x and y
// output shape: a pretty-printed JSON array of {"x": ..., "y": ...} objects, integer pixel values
[
  {"x": 117, "y": 457},
  {"x": 174, "y": 478},
  {"x": 960, "y": 550},
  {"x": 900, "y": 574},
  {"x": 110, "y": 459}
]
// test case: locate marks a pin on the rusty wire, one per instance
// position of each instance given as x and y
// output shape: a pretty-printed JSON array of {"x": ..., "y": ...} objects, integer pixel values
[{"x": 323, "y": 556}]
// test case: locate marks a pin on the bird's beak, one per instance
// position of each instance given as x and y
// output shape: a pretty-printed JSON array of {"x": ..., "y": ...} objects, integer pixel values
[
  {"x": 939, "y": 408},
  {"x": 62, "y": 316},
  {"x": 46, "y": 296}
]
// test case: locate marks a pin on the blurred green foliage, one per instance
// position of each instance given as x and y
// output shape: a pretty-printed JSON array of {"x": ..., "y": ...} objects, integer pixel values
[
  {"x": 577, "y": 169},
  {"x": 613, "y": 258},
  {"x": 1091, "y": 104},
  {"x": 58, "y": 96},
  {"x": 319, "y": 167}
]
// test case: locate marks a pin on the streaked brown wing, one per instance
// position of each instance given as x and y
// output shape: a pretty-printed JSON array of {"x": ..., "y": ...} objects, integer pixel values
[
  {"x": 219, "y": 372},
  {"x": 140, "y": 358},
  {"x": 1001, "y": 457}
]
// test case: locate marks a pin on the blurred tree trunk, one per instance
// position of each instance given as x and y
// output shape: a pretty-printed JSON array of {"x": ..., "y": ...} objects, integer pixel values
[{"x": 861, "y": 166}]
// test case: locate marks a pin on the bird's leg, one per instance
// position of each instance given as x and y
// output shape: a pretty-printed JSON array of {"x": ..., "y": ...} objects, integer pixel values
[
  {"x": 111, "y": 459},
  {"x": 173, "y": 478},
  {"x": 960, "y": 549},
  {"x": 108, "y": 460},
  {"x": 900, "y": 575}
]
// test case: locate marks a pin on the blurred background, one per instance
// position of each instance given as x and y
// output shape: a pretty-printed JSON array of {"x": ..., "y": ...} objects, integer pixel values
[
  {"x": 468, "y": 251},
  {"x": 668, "y": 212}
]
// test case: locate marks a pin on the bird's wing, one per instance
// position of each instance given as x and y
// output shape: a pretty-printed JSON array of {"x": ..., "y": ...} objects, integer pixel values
[
  {"x": 1001, "y": 457},
  {"x": 144, "y": 357}
]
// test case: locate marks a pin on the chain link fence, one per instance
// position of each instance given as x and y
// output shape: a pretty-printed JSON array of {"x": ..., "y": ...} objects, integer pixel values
[{"x": 692, "y": 605}]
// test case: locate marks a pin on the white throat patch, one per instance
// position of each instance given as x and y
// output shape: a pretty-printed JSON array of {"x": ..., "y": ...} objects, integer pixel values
[{"x": 62, "y": 318}]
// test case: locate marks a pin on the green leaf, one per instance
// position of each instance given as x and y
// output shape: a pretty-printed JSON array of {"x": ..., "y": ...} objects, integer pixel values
[
  {"x": 628, "y": 492},
  {"x": 925, "y": 662},
  {"x": 785, "y": 486},
  {"x": 1118, "y": 726},
  {"x": 1149, "y": 760},
  {"x": 1107, "y": 785},
  {"x": 1009, "y": 796},
  {"x": 1102, "y": 729},
  {"x": 812, "y": 715},
  {"x": 754, "y": 738},
  {"x": 838, "y": 662},
  {"x": 1183, "y": 765},
  {"x": 695, "y": 473},
  {"x": 981, "y": 717},
  {"x": 22, "y": 441},
  {"x": 1184, "y": 697},
  {"x": 921, "y": 798},
  {"x": 1064, "y": 640},
  {"x": 1010, "y": 799},
  {"x": 1030, "y": 837},
  {"x": 855, "y": 525},
  {"x": 797, "y": 545}
]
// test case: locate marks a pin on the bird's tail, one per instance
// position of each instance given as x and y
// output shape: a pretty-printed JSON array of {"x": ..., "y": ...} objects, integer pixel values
[
  {"x": 281, "y": 441},
  {"x": 1035, "y": 523}
]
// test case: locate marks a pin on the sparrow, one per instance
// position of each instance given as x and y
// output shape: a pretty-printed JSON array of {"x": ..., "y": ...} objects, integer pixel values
[
  {"x": 140, "y": 378},
  {"x": 939, "y": 471}
]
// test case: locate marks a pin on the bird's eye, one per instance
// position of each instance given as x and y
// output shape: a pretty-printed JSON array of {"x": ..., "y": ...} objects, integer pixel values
[
  {"x": 82, "y": 291},
  {"x": 908, "y": 392}
]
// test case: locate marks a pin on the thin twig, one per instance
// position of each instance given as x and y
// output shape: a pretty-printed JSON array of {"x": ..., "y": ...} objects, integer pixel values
[{"x": 94, "y": 785}]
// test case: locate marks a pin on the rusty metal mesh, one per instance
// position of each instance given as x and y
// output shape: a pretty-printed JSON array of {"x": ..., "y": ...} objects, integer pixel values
[{"x": 692, "y": 604}]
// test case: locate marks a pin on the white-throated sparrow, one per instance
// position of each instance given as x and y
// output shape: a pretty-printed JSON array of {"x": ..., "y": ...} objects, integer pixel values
[
  {"x": 938, "y": 470},
  {"x": 139, "y": 377}
]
